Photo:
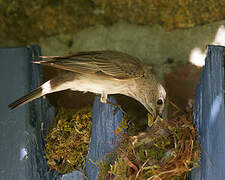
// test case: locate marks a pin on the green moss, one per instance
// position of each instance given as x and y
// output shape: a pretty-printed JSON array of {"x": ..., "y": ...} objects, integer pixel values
[{"x": 67, "y": 142}]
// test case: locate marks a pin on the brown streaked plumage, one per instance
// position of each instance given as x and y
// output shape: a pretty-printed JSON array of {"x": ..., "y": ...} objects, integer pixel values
[{"x": 102, "y": 72}]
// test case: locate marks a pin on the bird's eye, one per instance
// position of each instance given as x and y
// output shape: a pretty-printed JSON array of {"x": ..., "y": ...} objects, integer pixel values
[{"x": 159, "y": 102}]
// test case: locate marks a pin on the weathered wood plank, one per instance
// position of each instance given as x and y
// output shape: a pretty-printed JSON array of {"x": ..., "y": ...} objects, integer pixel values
[
  {"x": 21, "y": 151},
  {"x": 209, "y": 116},
  {"x": 104, "y": 122}
]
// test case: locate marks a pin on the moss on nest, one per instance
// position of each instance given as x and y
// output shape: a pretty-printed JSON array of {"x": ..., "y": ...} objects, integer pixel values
[
  {"x": 168, "y": 151},
  {"x": 67, "y": 143}
]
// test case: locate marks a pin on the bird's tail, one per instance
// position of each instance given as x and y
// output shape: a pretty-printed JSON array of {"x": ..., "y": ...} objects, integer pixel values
[
  {"x": 46, "y": 88},
  {"x": 53, "y": 85},
  {"x": 27, "y": 98}
]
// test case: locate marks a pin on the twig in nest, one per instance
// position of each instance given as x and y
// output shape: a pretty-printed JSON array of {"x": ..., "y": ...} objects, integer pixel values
[{"x": 141, "y": 168}]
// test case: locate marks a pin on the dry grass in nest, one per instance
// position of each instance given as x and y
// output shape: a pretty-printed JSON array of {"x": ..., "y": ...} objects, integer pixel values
[{"x": 168, "y": 151}]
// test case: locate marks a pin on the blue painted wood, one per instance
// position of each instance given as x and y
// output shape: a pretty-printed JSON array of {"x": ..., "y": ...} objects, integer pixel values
[
  {"x": 41, "y": 115},
  {"x": 12, "y": 125},
  {"x": 75, "y": 175},
  {"x": 209, "y": 116},
  {"x": 21, "y": 137},
  {"x": 104, "y": 122}
]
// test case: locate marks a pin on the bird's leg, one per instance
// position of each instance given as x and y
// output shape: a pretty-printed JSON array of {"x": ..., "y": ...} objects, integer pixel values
[
  {"x": 117, "y": 106},
  {"x": 104, "y": 98}
]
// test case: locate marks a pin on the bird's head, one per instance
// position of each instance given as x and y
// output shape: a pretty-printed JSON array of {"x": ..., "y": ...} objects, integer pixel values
[{"x": 156, "y": 104}]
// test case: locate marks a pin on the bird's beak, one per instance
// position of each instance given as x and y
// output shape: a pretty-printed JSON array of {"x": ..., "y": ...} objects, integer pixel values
[{"x": 152, "y": 117}]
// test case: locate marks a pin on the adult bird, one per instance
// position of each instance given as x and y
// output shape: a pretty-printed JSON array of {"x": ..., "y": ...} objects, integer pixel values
[{"x": 102, "y": 72}]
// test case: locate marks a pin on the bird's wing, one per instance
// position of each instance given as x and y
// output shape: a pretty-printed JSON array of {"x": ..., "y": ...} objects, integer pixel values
[{"x": 106, "y": 63}]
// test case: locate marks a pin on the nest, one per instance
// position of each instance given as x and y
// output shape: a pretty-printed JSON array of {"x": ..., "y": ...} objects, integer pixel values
[
  {"x": 67, "y": 142},
  {"x": 169, "y": 150}
]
